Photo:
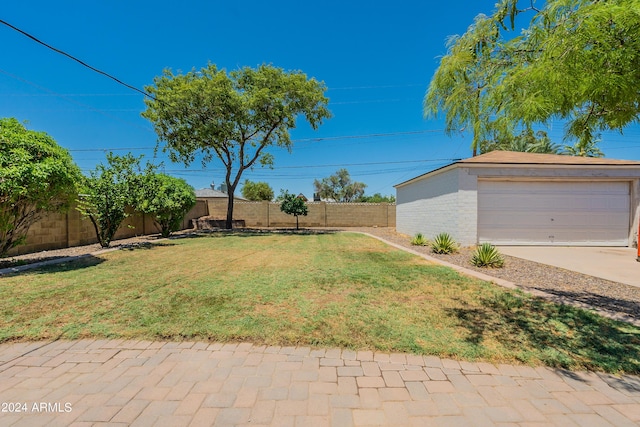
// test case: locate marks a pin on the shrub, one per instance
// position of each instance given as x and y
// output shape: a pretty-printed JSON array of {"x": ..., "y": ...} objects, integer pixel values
[
  {"x": 443, "y": 243},
  {"x": 108, "y": 191},
  {"x": 166, "y": 198},
  {"x": 487, "y": 255},
  {"x": 36, "y": 176},
  {"x": 419, "y": 240}
]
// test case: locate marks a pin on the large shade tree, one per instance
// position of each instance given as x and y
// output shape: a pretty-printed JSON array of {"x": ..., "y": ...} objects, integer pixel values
[
  {"x": 36, "y": 176},
  {"x": 459, "y": 86},
  {"x": 576, "y": 61},
  {"x": 234, "y": 116}
]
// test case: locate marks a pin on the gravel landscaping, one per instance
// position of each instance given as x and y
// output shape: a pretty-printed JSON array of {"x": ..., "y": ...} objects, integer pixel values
[{"x": 527, "y": 275}]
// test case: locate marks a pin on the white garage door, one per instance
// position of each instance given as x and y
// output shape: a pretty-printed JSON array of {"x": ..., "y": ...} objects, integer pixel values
[{"x": 553, "y": 213}]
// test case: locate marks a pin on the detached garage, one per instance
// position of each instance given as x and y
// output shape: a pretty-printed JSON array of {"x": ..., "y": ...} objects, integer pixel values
[{"x": 509, "y": 198}]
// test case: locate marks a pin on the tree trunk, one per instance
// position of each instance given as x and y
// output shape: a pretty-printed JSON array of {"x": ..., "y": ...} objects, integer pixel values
[
  {"x": 229, "y": 222},
  {"x": 297, "y": 228}
]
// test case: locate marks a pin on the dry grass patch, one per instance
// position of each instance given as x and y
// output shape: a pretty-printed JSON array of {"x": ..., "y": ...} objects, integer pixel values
[{"x": 341, "y": 289}]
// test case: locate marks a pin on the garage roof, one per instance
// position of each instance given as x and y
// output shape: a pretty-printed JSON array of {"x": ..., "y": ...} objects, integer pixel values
[
  {"x": 512, "y": 157},
  {"x": 519, "y": 158}
]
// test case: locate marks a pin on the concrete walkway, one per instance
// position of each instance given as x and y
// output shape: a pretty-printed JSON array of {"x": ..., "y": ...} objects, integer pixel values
[
  {"x": 616, "y": 264},
  {"x": 141, "y": 383}
]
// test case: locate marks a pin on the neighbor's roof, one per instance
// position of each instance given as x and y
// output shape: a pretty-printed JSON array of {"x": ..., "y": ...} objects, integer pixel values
[
  {"x": 208, "y": 192},
  {"x": 518, "y": 158}
]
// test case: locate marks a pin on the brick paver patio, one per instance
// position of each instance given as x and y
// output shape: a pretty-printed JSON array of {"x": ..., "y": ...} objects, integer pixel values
[{"x": 142, "y": 383}]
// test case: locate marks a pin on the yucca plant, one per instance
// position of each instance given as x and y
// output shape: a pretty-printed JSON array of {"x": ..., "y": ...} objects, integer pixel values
[
  {"x": 487, "y": 255},
  {"x": 419, "y": 240},
  {"x": 443, "y": 243}
]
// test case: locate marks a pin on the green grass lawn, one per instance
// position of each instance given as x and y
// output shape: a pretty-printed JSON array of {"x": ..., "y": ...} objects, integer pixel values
[{"x": 343, "y": 289}]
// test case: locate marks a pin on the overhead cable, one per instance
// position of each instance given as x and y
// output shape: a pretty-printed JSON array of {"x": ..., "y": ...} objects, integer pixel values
[{"x": 84, "y": 64}]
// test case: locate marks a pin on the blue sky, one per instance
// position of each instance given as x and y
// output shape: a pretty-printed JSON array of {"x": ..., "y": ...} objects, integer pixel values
[{"x": 376, "y": 58}]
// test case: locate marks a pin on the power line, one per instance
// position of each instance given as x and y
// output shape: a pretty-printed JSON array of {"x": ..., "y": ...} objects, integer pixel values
[
  {"x": 72, "y": 101},
  {"x": 320, "y": 139},
  {"x": 332, "y": 165},
  {"x": 73, "y": 58}
]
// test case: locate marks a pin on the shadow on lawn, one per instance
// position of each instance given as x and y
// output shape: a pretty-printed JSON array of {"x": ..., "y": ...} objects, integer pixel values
[
  {"x": 253, "y": 232},
  {"x": 560, "y": 336},
  {"x": 616, "y": 305},
  {"x": 54, "y": 265},
  {"x": 144, "y": 246}
]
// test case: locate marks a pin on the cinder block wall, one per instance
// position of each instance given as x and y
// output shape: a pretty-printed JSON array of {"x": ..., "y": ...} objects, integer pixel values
[
  {"x": 56, "y": 231},
  {"x": 321, "y": 214}
]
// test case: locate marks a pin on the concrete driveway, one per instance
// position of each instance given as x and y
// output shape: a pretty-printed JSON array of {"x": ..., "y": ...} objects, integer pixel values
[{"x": 610, "y": 263}]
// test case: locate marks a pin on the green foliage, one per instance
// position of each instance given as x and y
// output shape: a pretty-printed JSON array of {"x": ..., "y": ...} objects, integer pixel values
[
  {"x": 443, "y": 243},
  {"x": 233, "y": 116},
  {"x": 257, "y": 191},
  {"x": 292, "y": 205},
  {"x": 377, "y": 198},
  {"x": 419, "y": 240},
  {"x": 527, "y": 141},
  {"x": 339, "y": 187},
  {"x": 167, "y": 198},
  {"x": 108, "y": 191},
  {"x": 584, "y": 148},
  {"x": 459, "y": 86},
  {"x": 36, "y": 176},
  {"x": 487, "y": 255},
  {"x": 576, "y": 61}
]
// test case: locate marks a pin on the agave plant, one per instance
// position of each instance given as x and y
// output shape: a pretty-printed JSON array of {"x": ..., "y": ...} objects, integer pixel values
[
  {"x": 487, "y": 255},
  {"x": 443, "y": 243},
  {"x": 419, "y": 240}
]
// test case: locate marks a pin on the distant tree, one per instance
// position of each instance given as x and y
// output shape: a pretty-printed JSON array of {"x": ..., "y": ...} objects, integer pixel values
[
  {"x": 234, "y": 116},
  {"x": 585, "y": 148},
  {"x": 293, "y": 205},
  {"x": 36, "y": 176},
  {"x": 339, "y": 187},
  {"x": 256, "y": 191},
  {"x": 166, "y": 198},
  {"x": 107, "y": 193},
  {"x": 377, "y": 198},
  {"x": 527, "y": 141}
]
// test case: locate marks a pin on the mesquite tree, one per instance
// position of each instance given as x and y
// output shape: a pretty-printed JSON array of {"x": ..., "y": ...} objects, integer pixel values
[{"x": 234, "y": 116}]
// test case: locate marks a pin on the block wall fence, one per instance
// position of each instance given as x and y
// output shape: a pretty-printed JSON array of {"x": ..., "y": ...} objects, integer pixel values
[
  {"x": 56, "y": 231},
  {"x": 321, "y": 214}
]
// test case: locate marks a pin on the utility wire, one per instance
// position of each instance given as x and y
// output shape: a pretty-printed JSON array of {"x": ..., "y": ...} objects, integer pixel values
[
  {"x": 333, "y": 165},
  {"x": 320, "y": 139},
  {"x": 84, "y": 64},
  {"x": 73, "y": 101}
]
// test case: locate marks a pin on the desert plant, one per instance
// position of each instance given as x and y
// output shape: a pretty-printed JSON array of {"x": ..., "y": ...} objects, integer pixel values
[
  {"x": 443, "y": 243},
  {"x": 487, "y": 255},
  {"x": 419, "y": 240}
]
